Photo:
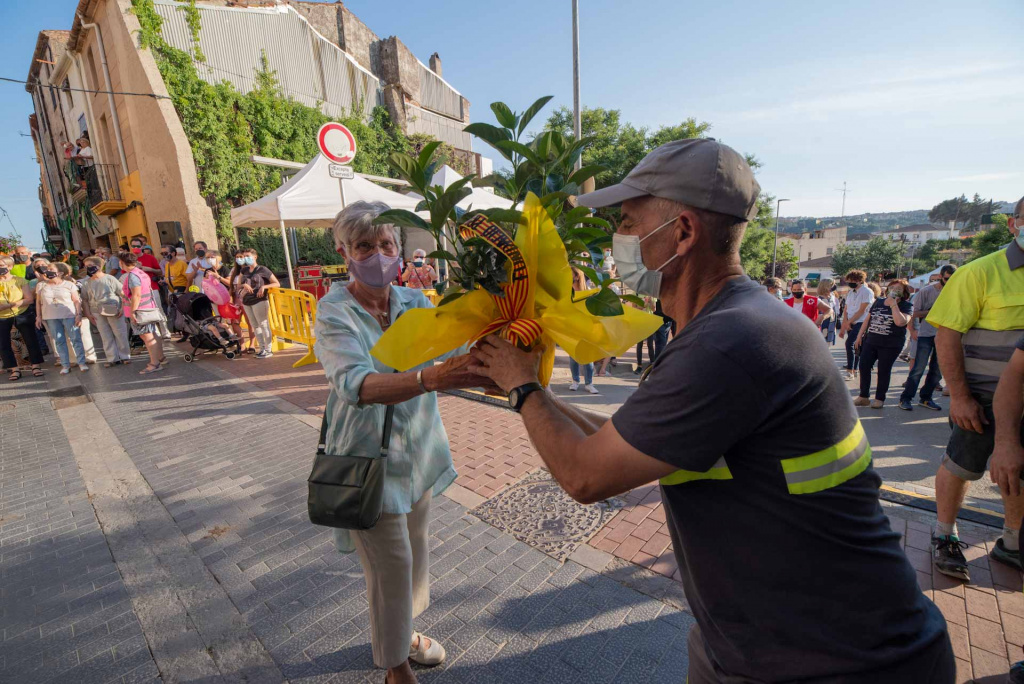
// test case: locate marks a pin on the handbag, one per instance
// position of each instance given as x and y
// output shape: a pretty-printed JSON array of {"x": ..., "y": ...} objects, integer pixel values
[
  {"x": 348, "y": 491},
  {"x": 147, "y": 316}
]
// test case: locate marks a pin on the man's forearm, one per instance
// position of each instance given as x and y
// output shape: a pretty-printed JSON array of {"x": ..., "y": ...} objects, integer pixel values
[
  {"x": 950, "y": 350},
  {"x": 1008, "y": 405},
  {"x": 557, "y": 438},
  {"x": 586, "y": 421}
]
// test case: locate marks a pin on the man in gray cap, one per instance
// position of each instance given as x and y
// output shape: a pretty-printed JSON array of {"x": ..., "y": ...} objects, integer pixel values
[{"x": 787, "y": 559}]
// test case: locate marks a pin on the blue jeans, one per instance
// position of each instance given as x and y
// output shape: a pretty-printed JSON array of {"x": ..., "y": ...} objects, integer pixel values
[
  {"x": 588, "y": 372},
  {"x": 661, "y": 339},
  {"x": 925, "y": 349},
  {"x": 61, "y": 330}
]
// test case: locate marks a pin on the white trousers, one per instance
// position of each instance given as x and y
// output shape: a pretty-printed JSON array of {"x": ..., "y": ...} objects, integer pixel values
[
  {"x": 396, "y": 561},
  {"x": 114, "y": 333}
]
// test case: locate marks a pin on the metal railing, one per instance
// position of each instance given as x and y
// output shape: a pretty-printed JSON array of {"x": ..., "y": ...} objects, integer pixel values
[{"x": 101, "y": 182}]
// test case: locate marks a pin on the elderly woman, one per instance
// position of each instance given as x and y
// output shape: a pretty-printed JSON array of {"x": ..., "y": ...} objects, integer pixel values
[
  {"x": 418, "y": 274},
  {"x": 101, "y": 304},
  {"x": 881, "y": 339},
  {"x": 16, "y": 311},
  {"x": 350, "y": 320},
  {"x": 59, "y": 309}
]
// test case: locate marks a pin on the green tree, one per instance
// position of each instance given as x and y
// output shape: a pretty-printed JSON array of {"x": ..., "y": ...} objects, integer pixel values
[
  {"x": 961, "y": 209},
  {"x": 619, "y": 145},
  {"x": 993, "y": 239},
  {"x": 882, "y": 256},
  {"x": 846, "y": 258}
]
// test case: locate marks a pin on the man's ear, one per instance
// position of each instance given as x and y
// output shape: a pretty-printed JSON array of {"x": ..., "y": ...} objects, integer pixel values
[{"x": 687, "y": 230}]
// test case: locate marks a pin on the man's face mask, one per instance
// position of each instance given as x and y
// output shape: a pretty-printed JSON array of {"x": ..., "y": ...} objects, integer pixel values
[
  {"x": 92, "y": 270},
  {"x": 799, "y": 294},
  {"x": 20, "y": 258},
  {"x": 630, "y": 262}
]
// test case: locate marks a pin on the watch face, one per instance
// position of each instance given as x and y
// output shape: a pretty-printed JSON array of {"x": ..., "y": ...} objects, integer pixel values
[{"x": 513, "y": 398}]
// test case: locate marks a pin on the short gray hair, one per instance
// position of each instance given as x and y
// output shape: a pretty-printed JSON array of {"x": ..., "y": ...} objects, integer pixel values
[{"x": 356, "y": 221}]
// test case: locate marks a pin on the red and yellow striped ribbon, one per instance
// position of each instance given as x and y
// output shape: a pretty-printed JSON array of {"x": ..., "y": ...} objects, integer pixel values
[{"x": 524, "y": 331}]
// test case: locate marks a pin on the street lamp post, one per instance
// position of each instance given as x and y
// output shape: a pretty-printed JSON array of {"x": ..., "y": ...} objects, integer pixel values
[
  {"x": 775, "y": 247},
  {"x": 577, "y": 120}
]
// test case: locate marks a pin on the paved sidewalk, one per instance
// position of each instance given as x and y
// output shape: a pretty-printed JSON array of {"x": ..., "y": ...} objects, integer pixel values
[{"x": 229, "y": 467}]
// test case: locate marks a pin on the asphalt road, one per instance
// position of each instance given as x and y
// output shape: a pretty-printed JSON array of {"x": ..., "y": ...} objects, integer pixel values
[{"x": 907, "y": 446}]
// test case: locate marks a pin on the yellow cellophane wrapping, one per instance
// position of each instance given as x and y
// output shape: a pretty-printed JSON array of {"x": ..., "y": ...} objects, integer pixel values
[{"x": 424, "y": 334}]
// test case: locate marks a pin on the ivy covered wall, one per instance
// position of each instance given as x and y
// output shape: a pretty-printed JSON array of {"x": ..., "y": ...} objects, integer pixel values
[{"x": 225, "y": 128}]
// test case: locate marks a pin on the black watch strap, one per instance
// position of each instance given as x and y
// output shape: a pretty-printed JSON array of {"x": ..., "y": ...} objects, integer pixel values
[{"x": 518, "y": 395}]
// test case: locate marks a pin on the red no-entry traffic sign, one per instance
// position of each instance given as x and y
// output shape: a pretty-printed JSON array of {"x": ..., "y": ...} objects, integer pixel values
[{"x": 336, "y": 143}]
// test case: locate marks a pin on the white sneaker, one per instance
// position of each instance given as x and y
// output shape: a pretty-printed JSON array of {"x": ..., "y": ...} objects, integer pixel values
[
  {"x": 573, "y": 386},
  {"x": 592, "y": 389},
  {"x": 83, "y": 368},
  {"x": 65, "y": 370}
]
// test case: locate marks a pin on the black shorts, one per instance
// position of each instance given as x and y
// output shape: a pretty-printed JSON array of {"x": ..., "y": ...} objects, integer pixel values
[{"x": 967, "y": 452}]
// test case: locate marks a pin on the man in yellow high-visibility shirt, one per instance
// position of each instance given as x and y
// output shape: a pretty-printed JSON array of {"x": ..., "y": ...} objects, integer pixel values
[{"x": 979, "y": 316}]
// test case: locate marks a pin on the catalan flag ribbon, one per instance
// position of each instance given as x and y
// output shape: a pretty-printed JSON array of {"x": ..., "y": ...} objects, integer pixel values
[{"x": 538, "y": 305}]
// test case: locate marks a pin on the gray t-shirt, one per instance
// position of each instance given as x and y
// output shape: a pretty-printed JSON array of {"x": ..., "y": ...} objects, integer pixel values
[
  {"x": 105, "y": 290},
  {"x": 787, "y": 581},
  {"x": 924, "y": 300}
]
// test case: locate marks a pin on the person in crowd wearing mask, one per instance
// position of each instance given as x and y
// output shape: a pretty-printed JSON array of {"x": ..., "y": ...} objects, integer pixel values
[
  {"x": 103, "y": 306},
  {"x": 236, "y": 301},
  {"x": 881, "y": 339},
  {"x": 175, "y": 269},
  {"x": 774, "y": 287},
  {"x": 60, "y": 311},
  {"x": 150, "y": 266},
  {"x": 772, "y": 504},
  {"x": 417, "y": 274},
  {"x": 858, "y": 301},
  {"x": 22, "y": 256},
  {"x": 809, "y": 305},
  {"x": 924, "y": 355},
  {"x": 137, "y": 292},
  {"x": 111, "y": 265},
  {"x": 579, "y": 284},
  {"x": 827, "y": 321},
  {"x": 253, "y": 282},
  {"x": 85, "y": 329},
  {"x": 16, "y": 311},
  {"x": 350, "y": 320},
  {"x": 979, "y": 320},
  {"x": 198, "y": 263}
]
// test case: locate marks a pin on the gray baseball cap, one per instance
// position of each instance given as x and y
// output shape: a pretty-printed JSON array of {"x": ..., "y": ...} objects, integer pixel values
[{"x": 700, "y": 172}]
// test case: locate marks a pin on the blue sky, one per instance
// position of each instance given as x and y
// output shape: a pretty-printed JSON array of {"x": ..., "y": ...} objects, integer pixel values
[{"x": 909, "y": 102}]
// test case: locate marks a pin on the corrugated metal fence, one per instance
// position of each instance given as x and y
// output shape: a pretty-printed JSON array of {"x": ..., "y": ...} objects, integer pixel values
[
  {"x": 436, "y": 95},
  {"x": 310, "y": 69}
]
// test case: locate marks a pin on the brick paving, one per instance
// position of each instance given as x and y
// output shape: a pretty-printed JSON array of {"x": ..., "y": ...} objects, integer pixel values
[
  {"x": 505, "y": 611},
  {"x": 66, "y": 613}
]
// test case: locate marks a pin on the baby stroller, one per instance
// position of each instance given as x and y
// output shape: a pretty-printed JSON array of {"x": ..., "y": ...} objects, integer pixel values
[{"x": 194, "y": 316}]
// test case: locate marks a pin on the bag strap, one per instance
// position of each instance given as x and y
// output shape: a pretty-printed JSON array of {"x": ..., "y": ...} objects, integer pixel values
[{"x": 385, "y": 442}]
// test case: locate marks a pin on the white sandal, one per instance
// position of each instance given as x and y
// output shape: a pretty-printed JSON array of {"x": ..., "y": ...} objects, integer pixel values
[{"x": 433, "y": 655}]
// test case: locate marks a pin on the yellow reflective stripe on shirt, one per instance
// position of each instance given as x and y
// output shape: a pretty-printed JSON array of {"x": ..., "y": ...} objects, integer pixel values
[
  {"x": 829, "y": 467},
  {"x": 719, "y": 471}
]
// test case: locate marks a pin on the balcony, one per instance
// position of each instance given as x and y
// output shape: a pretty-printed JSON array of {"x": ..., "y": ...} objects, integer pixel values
[{"x": 103, "y": 189}]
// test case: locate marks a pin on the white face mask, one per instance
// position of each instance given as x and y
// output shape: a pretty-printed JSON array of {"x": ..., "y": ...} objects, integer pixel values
[
  {"x": 1019, "y": 223},
  {"x": 629, "y": 261}
]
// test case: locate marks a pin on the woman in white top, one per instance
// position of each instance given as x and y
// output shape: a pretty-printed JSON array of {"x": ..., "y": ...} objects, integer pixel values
[{"x": 60, "y": 310}]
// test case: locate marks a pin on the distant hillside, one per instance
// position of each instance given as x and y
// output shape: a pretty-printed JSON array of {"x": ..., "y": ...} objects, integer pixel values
[{"x": 860, "y": 223}]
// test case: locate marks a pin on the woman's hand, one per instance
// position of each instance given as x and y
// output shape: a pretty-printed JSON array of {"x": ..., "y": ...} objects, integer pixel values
[
  {"x": 890, "y": 302},
  {"x": 261, "y": 292},
  {"x": 39, "y": 323},
  {"x": 245, "y": 289},
  {"x": 454, "y": 374},
  {"x": 78, "y": 321},
  {"x": 856, "y": 344}
]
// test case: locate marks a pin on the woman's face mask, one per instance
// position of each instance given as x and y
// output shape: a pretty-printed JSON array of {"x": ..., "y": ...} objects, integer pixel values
[
  {"x": 4, "y": 271},
  {"x": 92, "y": 270},
  {"x": 50, "y": 274},
  {"x": 240, "y": 261}
]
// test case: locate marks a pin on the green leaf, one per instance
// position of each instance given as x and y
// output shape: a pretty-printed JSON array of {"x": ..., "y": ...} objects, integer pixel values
[
  {"x": 586, "y": 234},
  {"x": 543, "y": 144},
  {"x": 573, "y": 216},
  {"x": 445, "y": 204},
  {"x": 503, "y": 114},
  {"x": 449, "y": 298},
  {"x": 490, "y": 180},
  {"x": 531, "y": 112},
  {"x": 492, "y": 135},
  {"x": 633, "y": 299},
  {"x": 403, "y": 218},
  {"x": 586, "y": 172},
  {"x": 441, "y": 254},
  {"x": 428, "y": 152},
  {"x": 409, "y": 170},
  {"x": 504, "y": 215},
  {"x": 595, "y": 221},
  {"x": 604, "y": 303},
  {"x": 521, "y": 149},
  {"x": 592, "y": 274}
]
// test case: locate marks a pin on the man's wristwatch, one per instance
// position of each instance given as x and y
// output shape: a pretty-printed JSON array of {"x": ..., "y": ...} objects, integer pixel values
[{"x": 518, "y": 395}]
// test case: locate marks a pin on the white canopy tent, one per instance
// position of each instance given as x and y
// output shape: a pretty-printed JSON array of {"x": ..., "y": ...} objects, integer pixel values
[
  {"x": 478, "y": 197},
  {"x": 311, "y": 198},
  {"x": 920, "y": 281}
]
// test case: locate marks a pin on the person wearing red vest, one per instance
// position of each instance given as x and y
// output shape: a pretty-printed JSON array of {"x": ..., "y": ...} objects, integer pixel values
[{"x": 808, "y": 303}]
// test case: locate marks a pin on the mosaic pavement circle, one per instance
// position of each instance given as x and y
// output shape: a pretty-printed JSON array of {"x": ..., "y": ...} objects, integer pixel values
[{"x": 536, "y": 511}]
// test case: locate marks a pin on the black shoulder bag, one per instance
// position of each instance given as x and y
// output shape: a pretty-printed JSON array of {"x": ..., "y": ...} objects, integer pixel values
[{"x": 348, "y": 491}]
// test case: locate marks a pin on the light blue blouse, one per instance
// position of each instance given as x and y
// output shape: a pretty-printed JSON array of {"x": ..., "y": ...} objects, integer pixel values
[{"x": 420, "y": 458}]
